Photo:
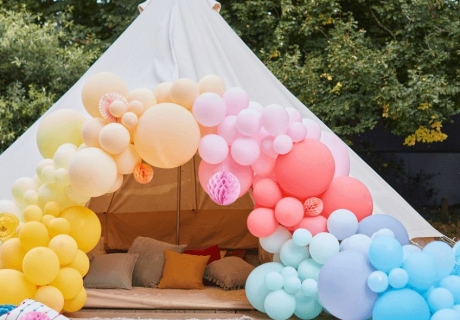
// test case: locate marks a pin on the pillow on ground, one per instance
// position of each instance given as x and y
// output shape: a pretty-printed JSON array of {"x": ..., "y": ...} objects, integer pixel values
[
  {"x": 149, "y": 265},
  {"x": 98, "y": 250},
  {"x": 183, "y": 271},
  {"x": 228, "y": 272},
  {"x": 213, "y": 252},
  {"x": 111, "y": 271}
]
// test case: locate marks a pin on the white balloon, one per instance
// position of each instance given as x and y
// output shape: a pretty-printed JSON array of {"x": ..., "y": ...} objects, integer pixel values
[
  {"x": 64, "y": 154},
  {"x": 313, "y": 128},
  {"x": 20, "y": 186},
  {"x": 10, "y": 207},
  {"x": 274, "y": 242},
  {"x": 275, "y": 119}
]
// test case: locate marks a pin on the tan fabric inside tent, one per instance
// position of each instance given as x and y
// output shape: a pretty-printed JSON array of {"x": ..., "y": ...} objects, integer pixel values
[{"x": 151, "y": 210}]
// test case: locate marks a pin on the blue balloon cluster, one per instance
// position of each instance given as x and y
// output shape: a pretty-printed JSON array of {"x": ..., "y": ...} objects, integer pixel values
[
  {"x": 358, "y": 271},
  {"x": 5, "y": 308}
]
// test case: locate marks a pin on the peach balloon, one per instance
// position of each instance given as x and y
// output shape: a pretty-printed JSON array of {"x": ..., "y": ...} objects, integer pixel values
[
  {"x": 112, "y": 105},
  {"x": 167, "y": 136},
  {"x": 143, "y": 173},
  {"x": 15, "y": 287},
  {"x": 136, "y": 107},
  {"x": 211, "y": 83},
  {"x": 129, "y": 120},
  {"x": 144, "y": 96},
  {"x": 90, "y": 131},
  {"x": 114, "y": 138},
  {"x": 261, "y": 222},
  {"x": 117, "y": 184},
  {"x": 59, "y": 127},
  {"x": 98, "y": 85},
  {"x": 162, "y": 91},
  {"x": 266, "y": 193},
  {"x": 127, "y": 160},
  {"x": 289, "y": 211},
  {"x": 315, "y": 224},
  {"x": 184, "y": 92}
]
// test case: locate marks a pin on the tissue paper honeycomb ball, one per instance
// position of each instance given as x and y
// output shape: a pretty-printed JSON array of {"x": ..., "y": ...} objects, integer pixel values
[
  {"x": 15, "y": 287},
  {"x": 167, "y": 136},
  {"x": 69, "y": 282},
  {"x": 85, "y": 226},
  {"x": 224, "y": 188},
  {"x": 51, "y": 297},
  {"x": 144, "y": 96},
  {"x": 80, "y": 263},
  {"x": 75, "y": 304},
  {"x": 97, "y": 86},
  {"x": 211, "y": 83},
  {"x": 65, "y": 248},
  {"x": 143, "y": 173},
  {"x": 33, "y": 234},
  {"x": 11, "y": 254},
  {"x": 183, "y": 92},
  {"x": 59, "y": 127},
  {"x": 40, "y": 265}
]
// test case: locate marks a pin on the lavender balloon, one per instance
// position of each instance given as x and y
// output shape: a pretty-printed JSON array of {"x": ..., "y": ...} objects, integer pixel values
[{"x": 223, "y": 188}]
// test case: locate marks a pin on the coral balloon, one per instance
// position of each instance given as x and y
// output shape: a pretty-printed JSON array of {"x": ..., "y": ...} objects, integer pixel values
[
  {"x": 347, "y": 193},
  {"x": 127, "y": 160},
  {"x": 209, "y": 109},
  {"x": 306, "y": 171},
  {"x": 161, "y": 92},
  {"x": 236, "y": 100},
  {"x": 213, "y": 149},
  {"x": 183, "y": 92},
  {"x": 59, "y": 127},
  {"x": 167, "y": 136},
  {"x": 315, "y": 224},
  {"x": 15, "y": 287},
  {"x": 224, "y": 188},
  {"x": 289, "y": 211},
  {"x": 143, "y": 173},
  {"x": 145, "y": 96},
  {"x": 267, "y": 193},
  {"x": 40, "y": 265},
  {"x": 114, "y": 138},
  {"x": 261, "y": 222},
  {"x": 275, "y": 119},
  {"x": 90, "y": 131},
  {"x": 51, "y": 297},
  {"x": 339, "y": 151},
  {"x": 211, "y": 83}
]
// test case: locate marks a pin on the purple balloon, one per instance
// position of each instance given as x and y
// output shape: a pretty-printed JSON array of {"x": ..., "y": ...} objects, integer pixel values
[
  {"x": 342, "y": 285},
  {"x": 375, "y": 222}
]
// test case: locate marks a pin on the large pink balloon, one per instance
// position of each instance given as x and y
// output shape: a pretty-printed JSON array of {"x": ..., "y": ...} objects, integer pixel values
[
  {"x": 261, "y": 222},
  {"x": 306, "y": 171},
  {"x": 339, "y": 151},
  {"x": 347, "y": 193}
]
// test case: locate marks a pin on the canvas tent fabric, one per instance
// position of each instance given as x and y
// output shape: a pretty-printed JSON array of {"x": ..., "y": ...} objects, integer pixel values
[{"x": 174, "y": 39}]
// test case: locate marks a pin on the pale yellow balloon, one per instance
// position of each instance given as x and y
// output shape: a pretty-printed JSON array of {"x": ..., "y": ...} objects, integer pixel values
[
  {"x": 30, "y": 197},
  {"x": 40, "y": 265},
  {"x": 21, "y": 186},
  {"x": 114, "y": 138},
  {"x": 167, "y": 136},
  {"x": 57, "y": 226},
  {"x": 184, "y": 92},
  {"x": 117, "y": 183},
  {"x": 51, "y": 297},
  {"x": 211, "y": 83},
  {"x": 11, "y": 254},
  {"x": 50, "y": 192},
  {"x": 162, "y": 91},
  {"x": 99, "y": 84},
  {"x": 80, "y": 263},
  {"x": 92, "y": 172},
  {"x": 32, "y": 213},
  {"x": 59, "y": 127},
  {"x": 77, "y": 303},
  {"x": 69, "y": 281},
  {"x": 53, "y": 208},
  {"x": 64, "y": 154},
  {"x": 143, "y": 95},
  {"x": 33, "y": 234},
  {"x": 75, "y": 197},
  {"x": 61, "y": 176},
  {"x": 15, "y": 287},
  {"x": 90, "y": 131},
  {"x": 65, "y": 247},
  {"x": 127, "y": 160},
  {"x": 85, "y": 226}
]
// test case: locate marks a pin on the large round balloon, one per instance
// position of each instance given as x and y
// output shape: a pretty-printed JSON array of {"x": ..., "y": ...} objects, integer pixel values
[
  {"x": 59, "y": 127},
  {"x": 342, "y": 285},
  {"x": 386, "y": 253},
  {"x": 348, "y": 193},
  {"x": 40, "y": 265},
  {"x": 375, "y": 222},
  {"x": 255, "y": 288},
  {"x": 340, "y": 152},
  {"x": 15, "y": 287},
  {"x": 167, "y": 136},
  {"x": 404, "y": 304},
  {"x": 422, "y": 270},
  {"x": 307, "y": 170}
]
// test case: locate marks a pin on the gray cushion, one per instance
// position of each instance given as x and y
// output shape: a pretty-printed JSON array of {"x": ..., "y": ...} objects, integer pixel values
[
  {"x": 111, "y": 271},
  {"x": 228, "y": 272}
]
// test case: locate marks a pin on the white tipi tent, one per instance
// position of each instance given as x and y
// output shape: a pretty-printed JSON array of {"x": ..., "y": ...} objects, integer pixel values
[{"x": 188, "y": 39}]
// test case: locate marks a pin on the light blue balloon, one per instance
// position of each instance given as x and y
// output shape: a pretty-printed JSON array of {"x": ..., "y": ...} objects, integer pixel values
[
  {"x": 307, "y": 307},
  {"x": 443, "y": 255},
  {"x": 342, "y": 223},
  {"x": 440, "y": 298},
  {"x": 255, "y": 288},
  {"x": 309, "y": 269},
  {"x": 323, "y": 246},
  {"x": 402, "y": 304},
  {"x": 302, "y": 237},
  {"x": 452, "y": 283},
  {"x": 274, "y": 281},
  {"x": 398, "y": 278},
  {"x": 291, "y": 255},
  {"x": 386, "y": 253},
  {"x": 456, "y": 307},
  {"x": 289, "y": 272},
  {"x": 309, "y": 287},
  {"x": 292, "y": 285},
  {"x": 378, "y": 281},
  {"x": 446, "y": 314},
  {"x": 383, "y": 232},
  {"x": 360, "y": 242},
  {"x": 422, "y": 271},
  {"x": 409, "y": 249},
  {"x": 279, "y": 305}
]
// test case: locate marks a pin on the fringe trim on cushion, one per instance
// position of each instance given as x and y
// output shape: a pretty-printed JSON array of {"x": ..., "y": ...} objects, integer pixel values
[{"x": 222, "y": 283}]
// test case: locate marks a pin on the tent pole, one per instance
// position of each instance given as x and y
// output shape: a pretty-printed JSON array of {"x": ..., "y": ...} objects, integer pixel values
[{"x": 179, "y": 180}]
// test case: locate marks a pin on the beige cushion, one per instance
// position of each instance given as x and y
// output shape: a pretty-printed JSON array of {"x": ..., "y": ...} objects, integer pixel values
[
  {"x": 149, "y": 267},
  {"x": 228, "y": 272},
  {"x": 111, "y": 271}
]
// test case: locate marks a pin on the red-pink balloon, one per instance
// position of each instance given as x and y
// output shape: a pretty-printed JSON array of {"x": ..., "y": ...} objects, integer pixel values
[
  {"x": 223, "y": 188},
  {"x": 227, "y": 129},
  {"x": 275, "y": 119},
  {"x": 315, "y": 225},
  {"x": 289, "y": 211},
  {"x": 213, "y": 148},
  {"x": 209, "y": 109},
  {"x": 339, "y": 151},
  {"x": 236, "y": 100},
  {"x": 307, "y": 170},
  {"x": 266, "y": 193},
  {"x": 261, "y": 222},
  {"x": 347, "y": 193},
  {"x": 313, "y": 128},
  {"x": 245, "y": 150}
]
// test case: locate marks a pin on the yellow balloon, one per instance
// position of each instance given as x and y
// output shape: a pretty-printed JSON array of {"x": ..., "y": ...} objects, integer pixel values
[
  {"x": 161, "y": 92},
  {"x": 80, "y": 263},
  {"x": 184, "y": 92},
  {"x": 46, "y": 219},
  {"x": 167, "y": 136},
  {"x": 57, "y": 226},
  {"x": 33, "y": 234},
  {"x": 143, "y": 95},
  {"x": 11, "y": 254},
  {"x": 32, "y": 213},
  {"x": 85, "y": 226},
  {"x": 212, "y": 83},
  {"x": 75, "y": 304},
  {"x": 15, "y": 287},
  {"x": 69, "y": 282},
  {"x": 40, "y": 265},
  {"x": 65, "y": 247},
  {"x": 51, "y": 297},
  {"x": 59, "y": 127},
  {"x": 97, "y": 86},
  {"x": 53, "y": 208}
]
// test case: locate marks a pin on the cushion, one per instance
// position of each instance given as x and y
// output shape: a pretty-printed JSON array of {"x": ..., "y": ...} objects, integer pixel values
[
  {"x": 111, "y": 271},
  {"x": 229, "y": 272},
  {"x": 213, "y": 252},
  {"x": 183, "y": 271},
  {"x": 149, "y": 266}
]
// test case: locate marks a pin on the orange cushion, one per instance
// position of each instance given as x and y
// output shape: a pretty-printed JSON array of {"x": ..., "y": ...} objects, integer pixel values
[{"x": 183, "y": 271}]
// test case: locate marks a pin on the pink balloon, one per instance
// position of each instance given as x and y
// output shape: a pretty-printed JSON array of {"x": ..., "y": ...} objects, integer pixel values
[
  {"x": 223, "y": 188},
  {"x": 245, "y": 151},
  {"x": 264, "y": 165},
  {"x": 248, "y": 122},
  {"x": 256, "y": 106},
  {"x": 266, "y": 193},
  {"x": 294, "y": 115},
  {"x": 289, "y": 211},
  {"x": 313, "y": 128},
  {"x": 282, "y": 144},
  {"x": 306, "y": 171},
  {"x": 209, "y": 109},
  {"x": 315, "y": 225},
  {"x": 297, "y": 131},
  {"x": 213, "y": 148},
  {"x": 236, "y": 100},
  {"x": 339, "y": 151},
  {"x": 266, "y": 146},
  {"x": 227, "y": 129},
  {"x": 275, "y": 119},
  {"x": 261, "y": 222}
]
